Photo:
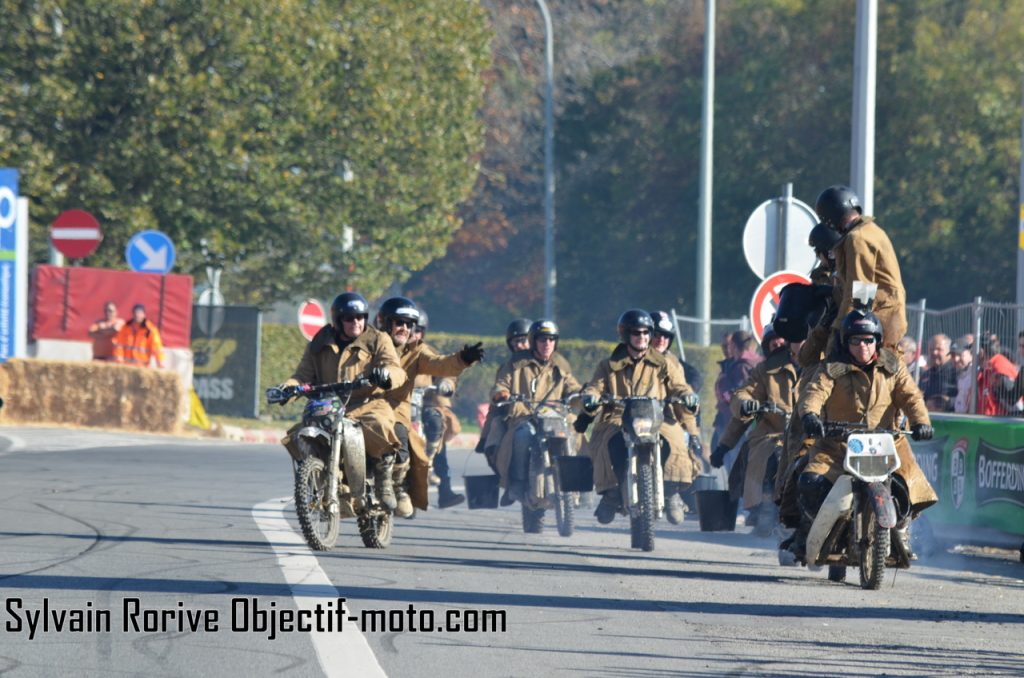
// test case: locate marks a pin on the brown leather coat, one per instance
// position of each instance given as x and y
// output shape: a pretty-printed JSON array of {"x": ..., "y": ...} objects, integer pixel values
[
  {"x": 524, "y": 375},
  {"x": 842, "y": 391},
  {"x": 866, "y": 254},
  {"x": 620, "y": 376},
  {"x": 420, "y": 362},
  {"x": 324, "y": 362}
]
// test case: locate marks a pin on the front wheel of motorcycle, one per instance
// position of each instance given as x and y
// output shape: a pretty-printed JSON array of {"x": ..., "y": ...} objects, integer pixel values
[
  {"x": 643, "y": 526},
  {"x": 874, "y": 549},
  {"x": 375, "y": 531},
  {"x": 319, "y": 525}
]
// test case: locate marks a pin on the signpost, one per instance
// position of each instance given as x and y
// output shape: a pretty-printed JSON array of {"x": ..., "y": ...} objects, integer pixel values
[
  {"x": 75, "y": 234},
  {"x": 311, "y": 318},
  {"x": 150, "y": 252},
  {"x": 775, "y": 237},
  {"x": 766, "y": 298}
]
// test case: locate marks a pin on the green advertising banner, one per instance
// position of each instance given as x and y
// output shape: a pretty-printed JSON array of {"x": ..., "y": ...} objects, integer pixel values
[{"x": 976, "y": 465}]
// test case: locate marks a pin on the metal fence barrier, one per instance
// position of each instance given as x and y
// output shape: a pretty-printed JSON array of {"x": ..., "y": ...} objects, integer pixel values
[{"x": 964, "y": 325}]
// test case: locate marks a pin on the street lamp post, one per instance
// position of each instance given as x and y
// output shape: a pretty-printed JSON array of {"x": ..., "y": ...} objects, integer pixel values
[{"x": 550, "y": 275}]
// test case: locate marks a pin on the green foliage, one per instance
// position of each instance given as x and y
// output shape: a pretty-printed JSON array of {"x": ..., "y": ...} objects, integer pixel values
[
  {"x": 282, "y": 346},
  {"x": 261, "y": 127}
]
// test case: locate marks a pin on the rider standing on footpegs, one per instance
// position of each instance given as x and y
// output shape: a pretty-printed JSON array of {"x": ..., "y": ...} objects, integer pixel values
[
  {"x": 401, "y": 319},
  {"x": 631, "y": 370},
  {"x": 343, "y": 351},
  {"x": 538, "y": 373},
  {"x": 862, "y": 383}
]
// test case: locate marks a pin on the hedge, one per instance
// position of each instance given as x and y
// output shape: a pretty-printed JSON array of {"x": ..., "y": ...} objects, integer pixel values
[{"x": 282, "y": 346}]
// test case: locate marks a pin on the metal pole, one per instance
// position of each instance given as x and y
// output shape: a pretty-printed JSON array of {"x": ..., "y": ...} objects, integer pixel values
[
  {"x": 550, "y": 274},
  {"x": 920, "y": 339},
  {"x": 976, "y": 309},
  {"x": 862, "y": 144},
  {"x": 782, "y": 231},
  {"x": 707, "y": 136},
  {"x": 1020, "y": 228},
  {"x": 679, "y": 336}
]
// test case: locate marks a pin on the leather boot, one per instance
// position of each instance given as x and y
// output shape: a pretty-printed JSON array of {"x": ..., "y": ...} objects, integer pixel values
[
  {"x": 446, "y": 498},
  {"x": 432, "y": 450},
  {"x": 674, "y": 509},
  {"x": 383, "y": 484},
  {"x": 902, "y": 532},
  {"x": 403, "y": 503},
  {"x": 611, "y": 502}
]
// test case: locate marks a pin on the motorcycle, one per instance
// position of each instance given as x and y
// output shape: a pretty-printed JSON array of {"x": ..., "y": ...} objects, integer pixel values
[
  {"x": 643, "y": 494},
  {"x": 330, "y": 440},
  {"x": 855, "y": 525},
  {"x": 546, "y": 483}
]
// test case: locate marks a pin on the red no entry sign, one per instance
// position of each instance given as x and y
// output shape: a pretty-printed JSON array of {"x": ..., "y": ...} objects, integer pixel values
[
  {"x": 766, "y": 298},
  {"x": 75, "y": 233},
  {"x": 311, "y": 318}
]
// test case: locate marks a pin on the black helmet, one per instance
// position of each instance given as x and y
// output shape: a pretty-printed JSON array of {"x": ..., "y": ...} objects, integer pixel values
[
  {"x": 663, "y": 326},
  {"x": 835, "y": 202},
  {"x": 861, "y": 322},
  {"x": 397, "y": 307},
  {"x": 633, "y": 319},
  {"x": 348, "y": 303},
  {"x": 424, "y": 321},
  {"x": 823, "y": 238},
  {"x": 520, "y": 327},
  {"x": 800, "y": 306},
  {"x": 769, "y": 334},
  {"x": 546, "y": 328}
]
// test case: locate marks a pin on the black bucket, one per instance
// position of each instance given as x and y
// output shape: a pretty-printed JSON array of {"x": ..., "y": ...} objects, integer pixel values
[
  {"x": 481, "y": 491},
  {"x": 575, "y": 474},
  {"x": 717, "y": 511}
]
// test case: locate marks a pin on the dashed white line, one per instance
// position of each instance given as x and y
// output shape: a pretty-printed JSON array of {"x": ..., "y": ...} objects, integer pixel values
[{"x": 341, "y": 653}]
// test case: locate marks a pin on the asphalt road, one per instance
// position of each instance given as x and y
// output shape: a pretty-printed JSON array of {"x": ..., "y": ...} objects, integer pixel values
[{"x": 180, "y": 545}]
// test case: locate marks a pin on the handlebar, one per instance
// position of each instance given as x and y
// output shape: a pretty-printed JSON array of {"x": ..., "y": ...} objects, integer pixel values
[
  {"x": 519, "y": 398},
  {"x": 282, "y": 395},
  {"x": 770, "y": 407},
  {"x": 839, "y": 429}
]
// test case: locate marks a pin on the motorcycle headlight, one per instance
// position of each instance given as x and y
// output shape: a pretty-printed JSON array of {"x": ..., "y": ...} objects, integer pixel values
[{"x": 642, "y": 426}]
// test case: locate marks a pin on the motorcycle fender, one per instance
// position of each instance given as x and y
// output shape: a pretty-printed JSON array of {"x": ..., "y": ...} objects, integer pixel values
[
  {"x": 838, "y": 503},
  {"x": 881, "y": 499},
  {"x": 314, "y": 432},
  {"x": 353, "y": 456}
]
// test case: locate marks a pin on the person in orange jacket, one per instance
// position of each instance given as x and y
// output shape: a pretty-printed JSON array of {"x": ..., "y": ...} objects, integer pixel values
[{"x": 138, "y": 342}]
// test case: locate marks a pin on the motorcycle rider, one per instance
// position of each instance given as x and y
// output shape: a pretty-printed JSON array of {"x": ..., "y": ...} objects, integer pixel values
[
  {"x": 347, "y": 349},
  {"x": 538, "y": 373},
  {"x": 631, "y": 370},
  {"x": 516, "y": 339},
  {"x": 860, "y": 382},
  {"x": 772, "y": 380},
  {"x": 684, "y": 460},
  {"x": 399, "y": 316},
  {"x": 864, "y": 254}
]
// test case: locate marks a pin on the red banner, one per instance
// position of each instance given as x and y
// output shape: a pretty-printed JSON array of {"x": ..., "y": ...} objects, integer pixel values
[{"x": 66, "y": 300}]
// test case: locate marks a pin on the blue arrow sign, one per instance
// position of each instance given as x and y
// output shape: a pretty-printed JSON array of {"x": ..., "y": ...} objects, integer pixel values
[{"x": 150, "y": 252}]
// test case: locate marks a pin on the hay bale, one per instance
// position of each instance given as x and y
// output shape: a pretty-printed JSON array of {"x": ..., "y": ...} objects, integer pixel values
[{"x": 98, "y": 394}]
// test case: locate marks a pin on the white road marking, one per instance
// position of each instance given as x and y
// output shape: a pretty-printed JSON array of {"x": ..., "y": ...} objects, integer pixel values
[
  {"x": 17, "y": 443},
  {"x": 341, "y": 653}
]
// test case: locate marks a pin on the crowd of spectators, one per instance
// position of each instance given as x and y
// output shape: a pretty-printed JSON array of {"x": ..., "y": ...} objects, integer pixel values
[{"x": 949, "y": 373}]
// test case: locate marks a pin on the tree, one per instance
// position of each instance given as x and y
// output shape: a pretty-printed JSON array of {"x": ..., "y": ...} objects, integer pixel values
[{"x": 263, "y": 128}]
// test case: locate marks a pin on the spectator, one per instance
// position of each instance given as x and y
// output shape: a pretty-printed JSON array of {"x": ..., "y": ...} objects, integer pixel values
[
  {"x": 908, "y": 349},
  {"x": 963, "y": 359},
  {"x": 996, "y": 380},
  {"x": 138, "y": 342},
  {"x": 103, "y": 332},
  {"x": 741, "y": 357},
  {"x": 938, "y": 382}
]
